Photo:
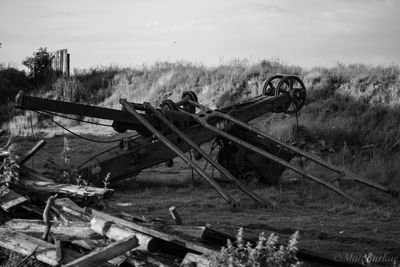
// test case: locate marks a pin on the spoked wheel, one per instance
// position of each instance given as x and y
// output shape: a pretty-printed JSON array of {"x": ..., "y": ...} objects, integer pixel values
[
  {"x": 293, "y": 86},
  {"x": 191, "y": 96},
  {"x": 270, "y": 85}
]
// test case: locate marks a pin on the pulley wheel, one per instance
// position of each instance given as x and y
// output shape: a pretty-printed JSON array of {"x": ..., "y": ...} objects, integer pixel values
[
  {"x": 293, "y": 86},
  {"x": 168, "y": 104},
  {"x": 270, "y": 85},
  {"x": 191, "y": 96}
]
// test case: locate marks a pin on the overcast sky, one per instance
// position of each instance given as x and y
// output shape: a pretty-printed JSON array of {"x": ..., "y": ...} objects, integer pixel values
[{"x": 124, "y": 32}]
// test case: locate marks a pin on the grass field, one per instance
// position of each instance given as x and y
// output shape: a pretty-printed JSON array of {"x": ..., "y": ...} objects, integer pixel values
[{"x": 351, "y": 118}]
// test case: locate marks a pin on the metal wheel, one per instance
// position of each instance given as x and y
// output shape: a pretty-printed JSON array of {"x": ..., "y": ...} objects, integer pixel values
[
  {"x": 191, "y": 96},
  {"x": 168, "y": 104},
  {"x": 270, "y": 85},
  {"x": 293, "y": 86}
]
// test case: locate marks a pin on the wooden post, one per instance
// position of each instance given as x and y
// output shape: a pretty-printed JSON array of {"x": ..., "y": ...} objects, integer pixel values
[{"x": 175, "y": 215}]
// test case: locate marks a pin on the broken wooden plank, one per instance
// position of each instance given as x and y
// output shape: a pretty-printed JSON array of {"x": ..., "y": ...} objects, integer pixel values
[
  {"x": 116, "y": 232},
  {"x": 67, "y": 189},
  {"x": 188, "y": 230},
  {"x": 190, "y": 246},
  {"x": 69, "y": 211},
  {"x": 24, "y": 244},
  {"x": 192, "y": 259},
  {"x": 9, "y": 199},
  {"x": 77, "y": 233},
  {"x": 32, "y": 152},
  {"x": 106, "y": 253}
]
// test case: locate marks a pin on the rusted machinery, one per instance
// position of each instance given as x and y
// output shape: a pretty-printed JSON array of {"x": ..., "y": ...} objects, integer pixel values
[{"x": 176, "y": 128}]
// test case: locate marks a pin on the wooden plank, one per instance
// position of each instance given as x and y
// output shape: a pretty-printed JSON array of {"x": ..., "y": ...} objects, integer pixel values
[
  {"x": 188, "y": 230},
  {"x": 106, "y": 253},
  {"x": 116, "y": 233},
  {"x": 32, "y": 152},
  {"x": 24, "y": 244},
  {"x": 191, "y": 246},
  {"x": 77, "y": 233},
  {"x": 192, "y": 259},
  {"x": 69, "y": 211},
  {"x": 67, "y": 189},
  {"x": 9, "y": 199}
]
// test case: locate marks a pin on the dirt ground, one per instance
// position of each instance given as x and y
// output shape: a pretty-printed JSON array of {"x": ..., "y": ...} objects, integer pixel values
[{"x": 328, "y": 224}]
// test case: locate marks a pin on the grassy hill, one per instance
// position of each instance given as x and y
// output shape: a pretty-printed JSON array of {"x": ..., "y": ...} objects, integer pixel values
[{"x": 353, "y": 110}]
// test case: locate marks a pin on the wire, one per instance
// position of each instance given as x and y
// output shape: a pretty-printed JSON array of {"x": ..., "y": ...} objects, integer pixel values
[
  {"x": 70, "y": 118},
  {"x": 77, "y": 135},
  {"x": 107, "y": 150}
]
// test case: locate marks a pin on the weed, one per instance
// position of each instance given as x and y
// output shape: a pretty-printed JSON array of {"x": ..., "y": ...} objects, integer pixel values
[{"x": 265, "y": 253}]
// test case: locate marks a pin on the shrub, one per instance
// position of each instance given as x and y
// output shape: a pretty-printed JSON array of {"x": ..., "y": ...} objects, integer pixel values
[
  {"x": 69, "y": 89},
  {"x": 265, "y": 253}
]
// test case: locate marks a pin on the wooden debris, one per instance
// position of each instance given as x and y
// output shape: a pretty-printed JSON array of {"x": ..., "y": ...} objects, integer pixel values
[
  {"x": 9, "y": 199},
  {"x": 175, "y": 215},
  {"x": 59, "y": 256},
  {"x": 46, "y": 217},
  {"x": 188, "y": 245},
  {"x": 77, "y": 233},
  {"x": 67, "y": 189},
  {"x": 196, "y": 260},
  {"x": 25, "y": 244},
  {"x": 106, "y": 253},
  {"x": 144, "y": 258},
  {"x": 32, "y": 152},
  {"x": 69, "y": 211},
  {"x": 21, "y": 263},
  {"x": 116, "y": 232}
]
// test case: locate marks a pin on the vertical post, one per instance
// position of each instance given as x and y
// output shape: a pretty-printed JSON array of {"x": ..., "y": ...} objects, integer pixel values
[{"x": 68, "y": 58}]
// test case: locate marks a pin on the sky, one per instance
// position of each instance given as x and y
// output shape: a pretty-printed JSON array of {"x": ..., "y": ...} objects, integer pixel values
[{"x": 132, "y": 32}]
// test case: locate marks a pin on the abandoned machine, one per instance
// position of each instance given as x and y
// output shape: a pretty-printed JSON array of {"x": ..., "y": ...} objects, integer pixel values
[{"x": 174, "y": 128}]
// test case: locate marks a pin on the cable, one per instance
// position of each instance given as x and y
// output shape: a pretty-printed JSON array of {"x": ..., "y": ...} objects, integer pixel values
[
  {"x": 70, "y": 118},
  {"x": 77, "y": 135},
  {"x": 107, "y": 150}
]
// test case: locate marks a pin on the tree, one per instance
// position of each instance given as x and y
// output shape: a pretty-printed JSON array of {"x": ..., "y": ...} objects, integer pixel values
[{"x": 39, "y": 66}]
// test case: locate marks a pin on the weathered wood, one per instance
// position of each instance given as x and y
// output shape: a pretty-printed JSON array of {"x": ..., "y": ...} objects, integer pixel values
[
  {"x": 59, "y": 255},
  {"x": 143, "y": 258},
  {"x": 9, "y": 199},
  {"x": 25, "y": 244},
  {"x": 192, "y": 259},
  {"x": 46, "y": 220},
  {"x": 32, "y": 152},
  {"x": 77, "y": 233},
  {"x": 106, "y": 253},
  {"x": 67, "y": 189},
  {"x": 116, "y": 232},
  {"x": 191, "y": 246},
  {"x": 188, "y": 230},
  {"x": 69, "y": 211},
  {"x": 175, "y": 215}
]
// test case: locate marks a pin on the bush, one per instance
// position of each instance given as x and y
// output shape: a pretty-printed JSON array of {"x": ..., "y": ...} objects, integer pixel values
[
  {"x": 11, "y": 81},
  {"x": 69, "y": 89},
  {"x": 265, "y": 253}
]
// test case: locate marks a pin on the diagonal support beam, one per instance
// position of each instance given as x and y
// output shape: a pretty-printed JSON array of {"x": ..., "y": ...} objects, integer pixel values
[
  {"x": 196, "y": 147},
  {"x": 178, "y": 152}
]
